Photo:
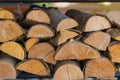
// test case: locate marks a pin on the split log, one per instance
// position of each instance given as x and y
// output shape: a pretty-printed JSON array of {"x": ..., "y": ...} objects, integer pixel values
[
  {"x": 114, "y": 52},
  {"x": 13, "y": 49},
  {"x": 34, "y": 66},
  {"x": 68, "y": 70},
  {"x": 88, "y": 22},
  {"x": 9, "y": 30},
  {"x": 40, "y": 31},
  {"x": 30, "y": 43},
  {"x": 99, "y": 40},
  {"x": 5, "y": 14},
  {"x": 115, "y": 33},
  {"x": 36, "y": 16},
  {"x": 7, "y": 67},
  {"x": 114, "y": 17},
  {"x": 76, "y": 50},
  {"x": 100, "y": 68},
  {"x": 60, "y": 21},
  {"x": 64, "y": 35},
  {"x": 43, "y": 51}
]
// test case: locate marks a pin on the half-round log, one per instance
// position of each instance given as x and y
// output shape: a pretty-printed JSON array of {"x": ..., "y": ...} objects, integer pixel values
[
  {"x": 100, "y": 68},
  {"x": 13, "y": 49},
  {"x": 76, "y": 50},
  {"x": 34, "y": 66}
]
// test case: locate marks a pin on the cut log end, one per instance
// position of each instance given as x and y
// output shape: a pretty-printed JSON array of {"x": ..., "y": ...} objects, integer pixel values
[
  {"x": 5, "y": 14},
  {"x": 66, "y": 23},
  {"x": 40, "y": 31},
  {"x": 31, "y": 42},
  {"x": 100, "y": 68},
  {"x": 76, "y": 50},
  {"x": 38, "y": 16},
  {"x": 13, "y": 49},
  {"x": 99, "y": 40},
  {"x": 64, "y": 35},
  {"x": 43, "y": 51},
  {"x": 68, "y": 71},
  {"x": 114, "y": 52},
  {"x": 96, "y": 23},
  {"x": 34, "y": 66},
  {"x": 9, "y": 30}
]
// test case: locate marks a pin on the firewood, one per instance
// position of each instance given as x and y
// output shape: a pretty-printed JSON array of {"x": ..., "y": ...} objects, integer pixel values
[
  {"x": 7, "y": 67},
  {"x": 5, "y": 14},
  {"x": 34, "y": 66},
  {"x": 31, "y": 42},
  {"x": 99, "y": 40},
  {"x": 13, "y": 49},
  {"x": 89, "y": 22},
  {"x": 114, "y": 17},
  {"x": 64, "y": 35},
  {"x": 43, "y": 51},
  {"x": 9, "y": 30},
  {"x": 79, "y": 16},
  {"x": 76, "y": 50},
  {"x": 115, "y": 33},
  {"x": 100, "y": 68},
  {"x": 40, "y": 31},
  {"x": 60, "y": 21},
  {"x": 68, "y": 70},
  {"x": 37, "y": 16},
  {"x": 114, "y": 52}
]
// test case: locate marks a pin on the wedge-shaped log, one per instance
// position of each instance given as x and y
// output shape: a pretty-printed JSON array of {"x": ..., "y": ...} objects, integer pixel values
[
  {"x": 40, "y": 31},
  {"x": 31, "y": 42},
  {"x": 100, "y": 68},
  {"x": 60, "y": 21},
  {"x": 114, "y": 17},
  {"x": 9, "y": 30},
  {"x": 7, "y": 67},
  {"x": 64, "y": 35},
  {"x": 13, "y": 49},
  {"x": 99, "y": 40},
  {"x": 34, "y": 66},
  {"x": 43, "y": 51},
  {"x": 37, "y": 16},
  {"x": 114, "y": 52},
  {"x": 5, "y": 14},
  {"x": 89, "y": 22},
  {"x": 114, "y": 33},
  {"x": 68, "y": 70},
  {"x": 76, "y": 50}
]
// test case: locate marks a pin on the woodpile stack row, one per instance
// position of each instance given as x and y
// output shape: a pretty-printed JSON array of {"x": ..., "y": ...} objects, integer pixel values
[{"x": 71, "y": 46}]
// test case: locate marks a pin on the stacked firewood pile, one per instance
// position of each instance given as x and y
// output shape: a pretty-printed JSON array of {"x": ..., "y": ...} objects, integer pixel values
[{"x": 70, "y": 46}]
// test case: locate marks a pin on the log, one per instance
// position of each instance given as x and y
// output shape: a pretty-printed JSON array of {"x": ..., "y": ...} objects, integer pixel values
[
  {"x": 30, "y": 43},
  {"x": 34, "y": 66},
  {"x": 40, "y": 31},
  {"x": 89, "y": 22},
  {"x": 13, "y": 49},
  {"x": 7, "y": 67},
  {"x": 114, "y": 17},
  {"x": 79, "y": 16},
  {"x": 10, "y": 30},
  {"x": 64, "y": 35},
  {"x": 36, "y": 16},
  {"x": 76, "y": 50},
  {"x": 43, "y": 51},
  {"x": 114, "y": 52},
  {"x": 68, "y": 70},
  {"x": 5, "y": 14},
  {"x": 114, "y": 33},
  {"x": 60, "y": 21},
  {"x": 99, "y": 40},
  {"x": 100, "y": 68}
]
